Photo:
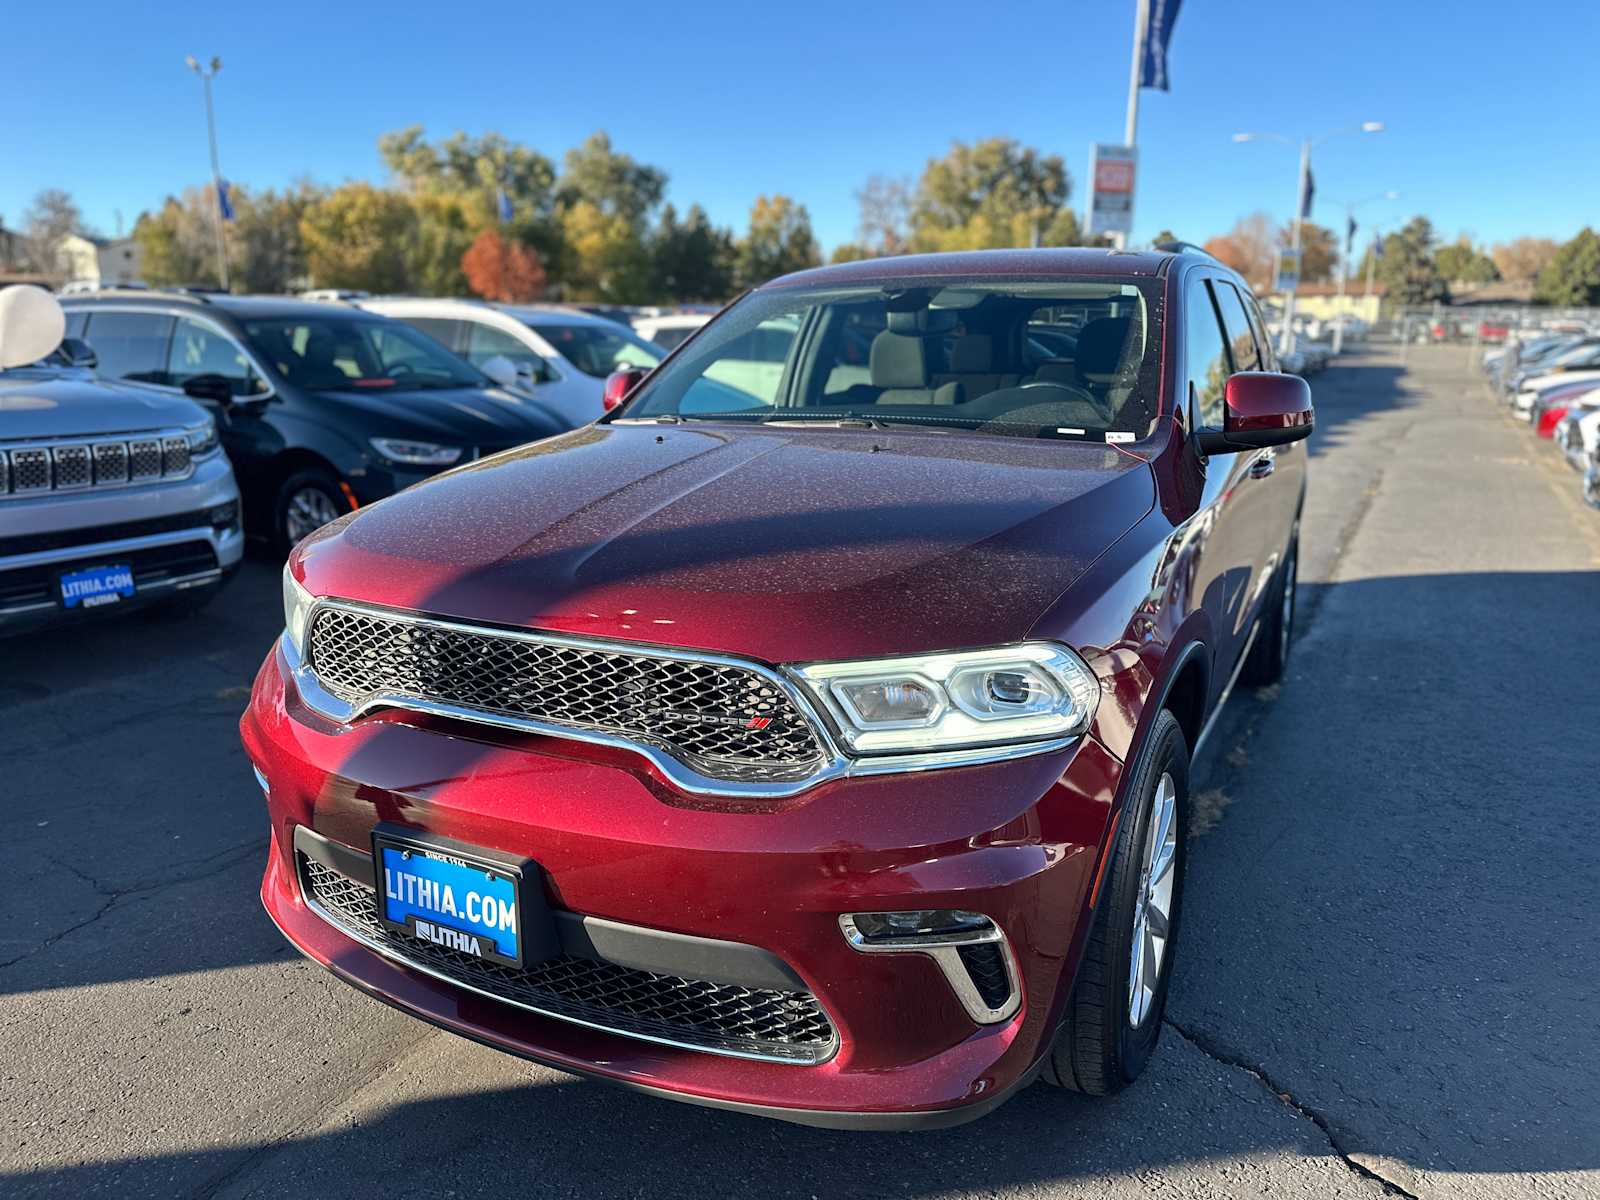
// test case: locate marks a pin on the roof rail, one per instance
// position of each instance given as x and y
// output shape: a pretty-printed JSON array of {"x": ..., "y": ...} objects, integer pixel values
[
  {"x": 1185, "y": 248},
  {"x": 197, "y": 292}
]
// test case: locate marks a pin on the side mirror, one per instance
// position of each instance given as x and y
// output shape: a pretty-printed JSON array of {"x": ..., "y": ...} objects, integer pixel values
[
  {"x": 619, "y": 384},
  {"x": 79, "y": 353},
  {"x": 502, "y": 370},
  {"x": 1261, "y": 409},
  {"x": 214, "y": 389}
]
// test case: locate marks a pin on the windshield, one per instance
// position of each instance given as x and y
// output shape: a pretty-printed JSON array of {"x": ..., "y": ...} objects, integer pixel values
[
  {"x": 599, "y": 350},
  {"x": 324, "y": 353},
  {"x": 1073, "y": 358},
  {"x": 1584, "y": 354}
]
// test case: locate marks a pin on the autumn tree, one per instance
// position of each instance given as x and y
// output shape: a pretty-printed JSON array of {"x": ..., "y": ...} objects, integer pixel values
[
  {"x": 52, "y": 216},
  {"x": 1319, "y": 253},
  {"x": 1521, "y": 260},
  {"x": 360, "y": 236},
  {"x": 992, "y": 193},
  {"x": 1250, "y": 248},
  {"x": 779, "y": 241},
  {"x": 500, "y": 270},
  {"x": 885, "y": 221},
  {"x": 604, "y": 201}
]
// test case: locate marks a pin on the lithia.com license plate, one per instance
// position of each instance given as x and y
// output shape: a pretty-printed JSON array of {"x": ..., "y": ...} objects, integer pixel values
[{"x": 451, "y": 897}]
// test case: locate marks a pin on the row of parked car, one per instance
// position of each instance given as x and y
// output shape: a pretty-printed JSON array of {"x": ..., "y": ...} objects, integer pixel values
[
  {"x": 276, "y": 415},
  {"x": 1551, "y": 379}
]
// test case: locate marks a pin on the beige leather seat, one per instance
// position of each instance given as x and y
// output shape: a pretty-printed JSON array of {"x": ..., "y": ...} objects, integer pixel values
[
  {"x": 898, "y": 364},
  {"x": 972, "y": 366}
]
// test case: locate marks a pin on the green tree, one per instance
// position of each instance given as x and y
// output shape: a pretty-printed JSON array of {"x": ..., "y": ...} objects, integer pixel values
[
  {"x": 1166, "y": 235},
  {"x": 614, "y": 183},
  {"x": 604, "y": 200},
  {"x": 1572, "y": 280},
  {"x": 477, "y": 166},
  {"x": 359, "y": 236},
  {"x": 1408, "y": 267},
  {"x": 446, "y": 224},
  {"x": 265, "y": 253},
  {"x": 850, "y": 252},
  {"x": 177, "y": 243},
  {"x": 691, "y": 259},
  {"x": 993, "y": 193},
  {"x": 779, "y": 241},
  {"x": 1462, "y": 262}
]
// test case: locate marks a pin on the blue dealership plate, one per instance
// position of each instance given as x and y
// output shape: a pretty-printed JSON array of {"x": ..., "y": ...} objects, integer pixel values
[
  {"x": 445, "y": 894},
  {"x": 95, "y": 586}
]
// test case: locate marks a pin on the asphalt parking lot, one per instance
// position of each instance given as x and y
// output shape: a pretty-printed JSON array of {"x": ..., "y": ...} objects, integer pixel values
[{"x": 1387, "y": 981}]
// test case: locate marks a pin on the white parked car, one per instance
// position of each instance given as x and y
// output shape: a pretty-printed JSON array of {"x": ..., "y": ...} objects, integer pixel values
[
  {"x": 670, "y": 331},
  {"x": 561, "y": 355}
]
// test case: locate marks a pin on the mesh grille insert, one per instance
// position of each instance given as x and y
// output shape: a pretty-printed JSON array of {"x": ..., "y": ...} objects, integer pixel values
[
  {"x": 718, "y": 1017},
  {"x": 72, "y": 466},
  {"x": 986, "y": 965},
  {"x": 725, "y": 721}
]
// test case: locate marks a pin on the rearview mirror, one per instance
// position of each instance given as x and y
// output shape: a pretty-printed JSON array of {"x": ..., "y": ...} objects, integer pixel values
[
  {"x": 502, "y": 370},
  {"x": 78, "y": 353},
  {"x": 619, "y": 384},
  {"x": 213, "y": 388},
  {"x": 1262, "y": 408}
]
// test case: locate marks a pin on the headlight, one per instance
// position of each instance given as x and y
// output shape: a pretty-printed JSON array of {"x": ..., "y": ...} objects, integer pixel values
[
  {"x": 1030, "y": 692},
  {"x": 297, "y": 604},
  {"x": 202, "y": 440},
  {"x": 422, "y": 454}
]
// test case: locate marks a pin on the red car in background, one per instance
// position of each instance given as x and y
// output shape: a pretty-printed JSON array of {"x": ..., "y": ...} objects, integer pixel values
[{"x": 811, "y": 742}]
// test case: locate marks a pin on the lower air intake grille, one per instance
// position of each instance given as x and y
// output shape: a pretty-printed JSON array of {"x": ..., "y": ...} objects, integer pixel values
[
  {"x": 724, "y": 720},
  {"x": 986, "y": 964},
  {"x": 720, "y": 1018}
]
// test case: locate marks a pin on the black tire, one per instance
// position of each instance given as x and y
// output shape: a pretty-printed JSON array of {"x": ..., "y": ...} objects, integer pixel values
[
  {"x": 1098, "y": 1050},
  {"x": 285, "y": 519},
  {"x": 1270, "y": 654}
]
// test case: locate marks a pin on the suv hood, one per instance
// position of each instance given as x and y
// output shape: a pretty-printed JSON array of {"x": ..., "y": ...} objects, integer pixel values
[
  {"x": 470, "y": 416},
  {"x": 39, "y": 404},
  {"x": 780, "y": 544}
]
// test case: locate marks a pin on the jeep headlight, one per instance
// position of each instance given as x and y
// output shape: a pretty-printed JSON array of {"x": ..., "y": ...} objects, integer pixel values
[
  {"x": 297, "y": 604},
  {"x": 1030, "y": 692},
  {"x": 202, "y": 439}
]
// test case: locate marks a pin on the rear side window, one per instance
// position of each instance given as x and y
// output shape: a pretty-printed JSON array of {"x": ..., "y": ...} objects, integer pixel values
[
  {"x": 77, "y": 322},
  {"x": 1269, "y": 360},
  {"x": 199, "y": 350},
  {"x": 485, "y": 342},
  {"x": 440, "y": 329},
  {"x": 1241, "y": 339},
  {"x": 130, "y": 346},
  {"x": 1205, "y": 361}
]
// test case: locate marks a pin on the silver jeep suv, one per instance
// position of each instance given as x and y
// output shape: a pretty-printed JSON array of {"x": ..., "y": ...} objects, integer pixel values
[{"x": 111, "y": 497}]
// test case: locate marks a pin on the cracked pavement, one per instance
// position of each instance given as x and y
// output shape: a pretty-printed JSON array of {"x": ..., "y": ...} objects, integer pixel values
[{"x": 1385, "y": 982}]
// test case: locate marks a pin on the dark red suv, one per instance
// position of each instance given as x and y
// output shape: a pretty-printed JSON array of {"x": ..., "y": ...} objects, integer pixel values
[{"x": 811, "y": 735}]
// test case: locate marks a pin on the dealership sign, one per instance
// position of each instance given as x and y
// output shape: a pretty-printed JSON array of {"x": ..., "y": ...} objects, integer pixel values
[
  {"x": 1111, "y": 200},
  {"x": 1288, "y": 270}
]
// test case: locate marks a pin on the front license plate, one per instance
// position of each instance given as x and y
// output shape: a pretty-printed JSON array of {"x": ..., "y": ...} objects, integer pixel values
[
  {"x": 447, "y": 895},
  {"x": 95, "y": 586}
]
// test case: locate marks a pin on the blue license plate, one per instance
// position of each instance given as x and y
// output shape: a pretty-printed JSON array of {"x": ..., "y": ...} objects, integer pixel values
[
  {"x": 95, "y": 586},
  {"x": 441, "y": 897}
]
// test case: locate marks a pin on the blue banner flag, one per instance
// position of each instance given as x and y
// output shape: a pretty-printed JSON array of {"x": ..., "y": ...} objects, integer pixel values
[
  {"x": 224, "y": 203},
  {"x": 1305, "y": 196},
  {"x": 1159, "y": 17},
  {"x": 505, "y": 205}
]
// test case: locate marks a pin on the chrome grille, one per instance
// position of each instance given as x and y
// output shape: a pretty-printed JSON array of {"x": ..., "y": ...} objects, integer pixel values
[
  {"x": 72, "y": 464},
  {"x": 111, "y": 462},
  {"x": 30, "y": 470},
  {"x": 724, "y": 720},
  {"x": 717, "y": 1017},
  {"x": 144, "y": 459}
]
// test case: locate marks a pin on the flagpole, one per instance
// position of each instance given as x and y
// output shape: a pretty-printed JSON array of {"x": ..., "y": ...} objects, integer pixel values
[
  {"x": 1286, "y": 343},
  {"x": 216, "y": 172},
  {"x": 1141, "y": 15}
]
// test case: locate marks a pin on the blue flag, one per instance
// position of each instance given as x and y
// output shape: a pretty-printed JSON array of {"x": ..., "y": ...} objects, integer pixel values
[
  {"x": 224, "y": 204},
  {"x": 1159, "y": 18},
  {"x": 505, "y": 205},
  {"x": 1305, "y": 196}
]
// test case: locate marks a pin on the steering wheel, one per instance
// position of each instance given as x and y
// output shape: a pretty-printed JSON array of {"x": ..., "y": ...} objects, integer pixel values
[{"x": 1073, "y": 389}]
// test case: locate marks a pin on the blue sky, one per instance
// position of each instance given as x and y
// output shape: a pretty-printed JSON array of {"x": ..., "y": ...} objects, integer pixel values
[{"x": 1491, "y": 115}]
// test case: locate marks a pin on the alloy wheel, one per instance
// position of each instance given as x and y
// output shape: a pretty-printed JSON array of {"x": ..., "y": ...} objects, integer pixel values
[
  {"x": 1152, "y": 913},
  {"x": 309, "y": 509}
]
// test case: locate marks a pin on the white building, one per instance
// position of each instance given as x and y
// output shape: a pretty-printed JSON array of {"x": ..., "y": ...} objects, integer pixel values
[{"x": 98, "y": 261}]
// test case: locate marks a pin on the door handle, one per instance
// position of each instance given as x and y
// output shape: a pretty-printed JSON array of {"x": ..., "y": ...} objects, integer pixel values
[{"x": 1265, "y": 464}]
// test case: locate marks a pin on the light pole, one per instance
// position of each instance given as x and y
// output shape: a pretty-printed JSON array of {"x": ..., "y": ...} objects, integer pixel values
[
  {"x": 1286, "y": 342},
  {"x": 207, "y": 74},
  {"x": 1344, "y": 264}
]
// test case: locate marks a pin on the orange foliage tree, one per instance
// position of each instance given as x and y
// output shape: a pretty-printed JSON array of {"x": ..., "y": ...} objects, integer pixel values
[{"x": 500, "y": 270}]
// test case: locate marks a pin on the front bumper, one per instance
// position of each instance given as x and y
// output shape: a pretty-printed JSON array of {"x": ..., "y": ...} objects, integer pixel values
[
  {"x": 768, "y": 879},
  {"x": 164, "y": 531}
]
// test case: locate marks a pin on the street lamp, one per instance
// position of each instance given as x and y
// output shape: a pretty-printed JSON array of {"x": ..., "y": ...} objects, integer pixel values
[
  {"x": 207, "y": 74},
  {"x": 1286, "y": 342},
  {"x": 1344, "y": 263}
]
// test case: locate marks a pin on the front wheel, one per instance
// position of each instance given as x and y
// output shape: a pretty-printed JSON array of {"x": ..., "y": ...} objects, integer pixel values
[
  {"x": 306, "y": 502},
  {"x": 1113, "y": 1016}
]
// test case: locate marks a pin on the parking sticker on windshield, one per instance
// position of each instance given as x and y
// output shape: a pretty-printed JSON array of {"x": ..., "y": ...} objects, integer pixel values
[{"x": 1120, "y": 437}]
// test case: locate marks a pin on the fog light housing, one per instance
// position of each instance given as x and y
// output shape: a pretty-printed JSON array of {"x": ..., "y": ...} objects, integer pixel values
[
  {"x": 224, "y": 517},
  {"x": 969, "y": 948}
]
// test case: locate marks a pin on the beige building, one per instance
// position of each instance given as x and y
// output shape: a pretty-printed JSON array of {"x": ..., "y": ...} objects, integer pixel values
[
  {"x": 98, "y": 261},
  {"x": 1322, "y": 300}
]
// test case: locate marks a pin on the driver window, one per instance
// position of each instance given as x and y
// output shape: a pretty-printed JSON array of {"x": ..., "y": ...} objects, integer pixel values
[{"x": 1205, "y": 356}]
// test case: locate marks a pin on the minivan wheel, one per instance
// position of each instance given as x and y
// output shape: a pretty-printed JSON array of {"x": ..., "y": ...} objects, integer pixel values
[
  {"x": 1270, "y": 653},
  {"x": 307, "y": 501},
  {"x": 1113, "y": 1017}
]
